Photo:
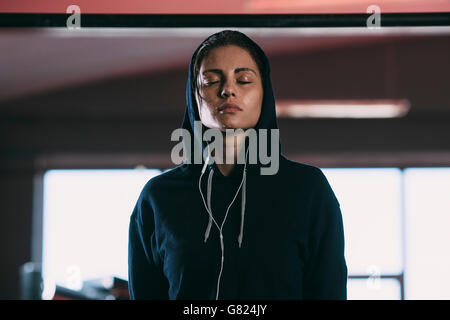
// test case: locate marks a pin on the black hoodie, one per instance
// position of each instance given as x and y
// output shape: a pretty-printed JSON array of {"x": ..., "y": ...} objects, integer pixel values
[{"x": 282, "y": 237}]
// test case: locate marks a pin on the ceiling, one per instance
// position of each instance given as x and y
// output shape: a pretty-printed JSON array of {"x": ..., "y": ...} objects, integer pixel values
[
  {"x": 42, "y": 59},
  {"x": 38, "y": 64}
]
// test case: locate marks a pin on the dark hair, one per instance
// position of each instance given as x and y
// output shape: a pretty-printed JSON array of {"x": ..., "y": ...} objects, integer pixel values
[{"x": 220, "y": 39}]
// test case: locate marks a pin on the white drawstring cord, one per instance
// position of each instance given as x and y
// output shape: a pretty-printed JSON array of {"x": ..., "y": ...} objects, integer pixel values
[
  {"x": 208, "y": 228},
  {"x": 241, "y": 233},
  {"x": 208, "y": 209}
]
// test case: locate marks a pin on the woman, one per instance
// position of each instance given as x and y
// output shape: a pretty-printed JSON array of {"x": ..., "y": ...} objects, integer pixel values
[{"x": 239, "y": 234}]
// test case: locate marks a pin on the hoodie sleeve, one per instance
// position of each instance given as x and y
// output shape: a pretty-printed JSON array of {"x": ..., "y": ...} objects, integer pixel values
[
  {"x": 326, "y": 273},
  {"x": 145, "y": 276}
]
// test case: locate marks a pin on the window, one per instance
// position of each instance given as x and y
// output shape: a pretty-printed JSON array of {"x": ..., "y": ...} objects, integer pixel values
[
  {"x": 427, "y": 202},
  {"x": 371, "y": 206},
  {"x": 86, "y": 219}
]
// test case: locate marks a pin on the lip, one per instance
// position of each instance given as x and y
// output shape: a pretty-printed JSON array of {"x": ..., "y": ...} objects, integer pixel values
[{"x": 229, "y": 108}]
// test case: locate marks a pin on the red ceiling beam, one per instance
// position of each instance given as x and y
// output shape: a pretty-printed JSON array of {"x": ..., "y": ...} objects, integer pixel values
[{"x": 223, "y": 7}]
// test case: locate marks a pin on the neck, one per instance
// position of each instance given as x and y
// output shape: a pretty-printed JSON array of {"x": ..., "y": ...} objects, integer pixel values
[{"x": 232, "y": 146}]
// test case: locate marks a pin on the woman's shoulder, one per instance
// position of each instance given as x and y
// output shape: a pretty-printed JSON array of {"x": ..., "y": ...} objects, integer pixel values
[
  {"x": 167, "y": 180},
  {"x": 302, "y": 170},
  {"x": 168, "y": 175},
  {"x": 312, "y": 176},
  {"x": 317, "y": 179}
]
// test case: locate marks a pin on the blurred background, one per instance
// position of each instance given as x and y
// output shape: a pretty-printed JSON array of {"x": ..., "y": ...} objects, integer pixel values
[{"x": 86, "y": 117}]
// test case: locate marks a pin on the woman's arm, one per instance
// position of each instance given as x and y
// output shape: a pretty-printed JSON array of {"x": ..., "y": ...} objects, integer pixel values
[
  {"x": 326, "y": 274},
  {"x": 145, "y": 277}
]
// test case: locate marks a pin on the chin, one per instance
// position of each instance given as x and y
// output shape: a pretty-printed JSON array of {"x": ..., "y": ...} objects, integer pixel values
[{"x": 231, "y": 125}]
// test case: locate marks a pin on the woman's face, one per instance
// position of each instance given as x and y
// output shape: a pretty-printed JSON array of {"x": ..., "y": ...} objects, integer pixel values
[{"x": 228, "y": 74}]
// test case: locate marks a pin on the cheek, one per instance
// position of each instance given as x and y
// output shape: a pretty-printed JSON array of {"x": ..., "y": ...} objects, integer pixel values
[
  {"x": 253, "y": 102},
  {"x": 209, "y": 99},
  {"x": 207, "y": 112},
  {"x": 206, "y": 101}
]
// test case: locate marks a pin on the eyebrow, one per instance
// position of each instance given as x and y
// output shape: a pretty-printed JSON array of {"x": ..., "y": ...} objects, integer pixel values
[{"x": 235, "y": 70}]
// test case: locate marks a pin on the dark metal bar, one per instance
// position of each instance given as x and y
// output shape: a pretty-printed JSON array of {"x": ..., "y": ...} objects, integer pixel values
[{"x": 223, "y": 20}]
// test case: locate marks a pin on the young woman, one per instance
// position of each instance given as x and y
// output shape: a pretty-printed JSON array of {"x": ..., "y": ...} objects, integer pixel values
[{"x": 214, "y": 230}]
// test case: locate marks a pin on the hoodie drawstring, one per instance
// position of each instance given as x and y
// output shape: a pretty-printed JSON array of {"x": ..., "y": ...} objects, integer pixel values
[
  {"x": 211, "y": 218},
  {"x": 209, "y": 188},
  {"x": 208, "y": 228},
  {"x": 243, "y": 185},
  {"x": 241, "y": 233}
]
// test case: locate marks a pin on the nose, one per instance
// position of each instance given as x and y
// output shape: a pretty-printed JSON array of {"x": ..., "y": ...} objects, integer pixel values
[{"x": 227, "y": 89}]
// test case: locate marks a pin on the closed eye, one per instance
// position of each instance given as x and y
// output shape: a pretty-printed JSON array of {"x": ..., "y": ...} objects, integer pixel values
[{"x": 214, "y": 82}]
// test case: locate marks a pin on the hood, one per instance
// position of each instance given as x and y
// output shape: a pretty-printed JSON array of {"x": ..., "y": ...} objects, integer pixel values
[{"x": 267, "y": 119}]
